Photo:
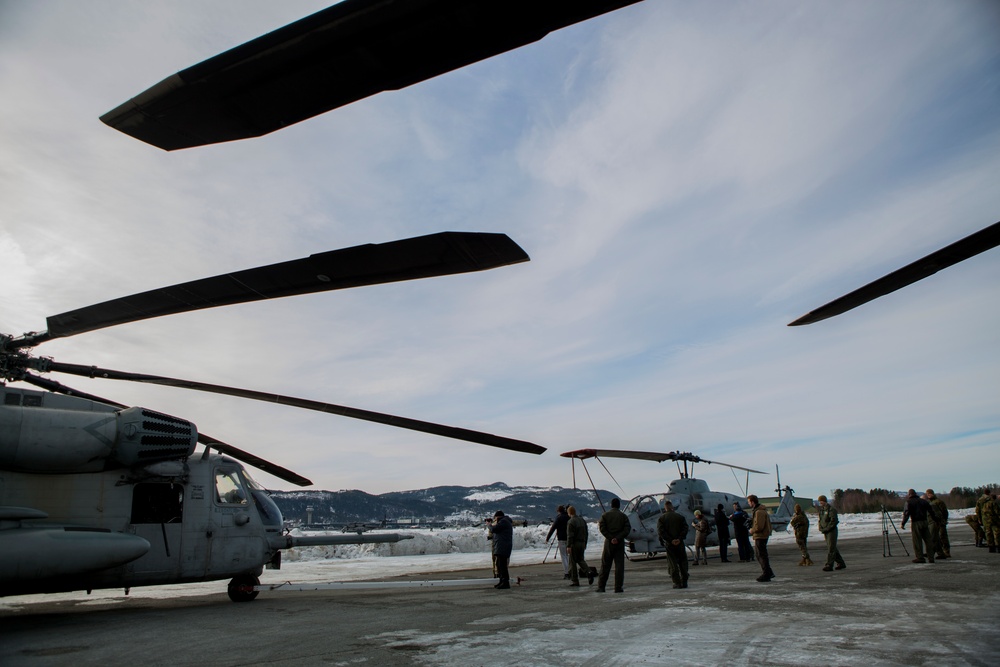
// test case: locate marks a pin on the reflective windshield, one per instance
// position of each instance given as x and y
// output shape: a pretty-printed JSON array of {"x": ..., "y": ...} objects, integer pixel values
[
  {"x": 270, "y": 515},
  {"x": 229, "y": 489}
]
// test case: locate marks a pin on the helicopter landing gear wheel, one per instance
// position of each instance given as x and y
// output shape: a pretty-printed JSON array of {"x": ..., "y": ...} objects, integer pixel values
[{"x": 241, "y": 588}]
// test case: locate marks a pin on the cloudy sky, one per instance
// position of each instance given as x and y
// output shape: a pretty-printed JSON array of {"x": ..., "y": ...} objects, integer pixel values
[{"x": 686, "y": 177}]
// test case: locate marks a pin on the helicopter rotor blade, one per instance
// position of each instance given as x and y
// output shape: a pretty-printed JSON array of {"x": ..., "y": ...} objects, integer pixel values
[
  {"x": 253, "y": 460},
  {"x": 453, "y": 432},
  {"x": 961, "y": 250},
  {"x": 205, "y": 439},
  {"x": 659, "y": 457},
  {"x": 332, "y": 58},
  {"x": 426, "y": 256}
]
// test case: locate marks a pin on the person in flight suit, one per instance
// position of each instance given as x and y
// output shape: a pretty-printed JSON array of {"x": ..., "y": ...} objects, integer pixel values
[
  {"x": 615, "y": 527},
  {"x": 672, "y": 529}
]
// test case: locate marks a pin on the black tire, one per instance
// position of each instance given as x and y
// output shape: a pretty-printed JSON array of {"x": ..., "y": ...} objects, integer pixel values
[{"x": 241, "y": 588}]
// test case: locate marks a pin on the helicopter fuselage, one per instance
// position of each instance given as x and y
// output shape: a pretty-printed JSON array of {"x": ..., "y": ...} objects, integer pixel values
[
  {"x": 687, "y": 495},
  {"x": 176, "y": 520}
]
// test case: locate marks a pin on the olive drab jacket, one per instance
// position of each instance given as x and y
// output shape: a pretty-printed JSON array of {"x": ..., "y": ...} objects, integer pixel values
[
  {"x": 986, "y": 510},
  {"x": 614, "y": 524},
  {"x": 940, "y": 510},
  {"x": 671, "y": 526},
  {"x": 576, "y": 534},
  {"x": 760, "y": 529},
  {"x": 800, "y": 524},
  {"x": 827, "y": 519}
]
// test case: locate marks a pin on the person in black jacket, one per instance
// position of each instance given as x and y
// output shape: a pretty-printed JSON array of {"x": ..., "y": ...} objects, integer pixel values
[
  {"x": 722, "y": 528},
  {"x": 559, "y": 528},
  {"x": 502, "y": 531},
  {"x": 741, "y": 529},
  {"x": 918, "y": 511}
]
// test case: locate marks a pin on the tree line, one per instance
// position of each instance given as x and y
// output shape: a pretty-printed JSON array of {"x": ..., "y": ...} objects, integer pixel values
[{"x": 860, "y": 501}]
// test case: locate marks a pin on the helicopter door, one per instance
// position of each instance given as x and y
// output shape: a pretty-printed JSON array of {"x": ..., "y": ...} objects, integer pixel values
[
  {"x": 157, "y": 516},
  {"x": 233, "y": 542}
]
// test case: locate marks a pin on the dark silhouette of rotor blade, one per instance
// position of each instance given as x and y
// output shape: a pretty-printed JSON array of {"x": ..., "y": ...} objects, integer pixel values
[
  {"x": 355, "y": 413},
  {"x": 970, "y": 246},
  {"x": 336, "y": 56},
  {"x": 421, "y": 257},
  {"x": 253, "y": 460},
  {"x": 659, "y": 457},
  {"x": 207, "y": 440}
]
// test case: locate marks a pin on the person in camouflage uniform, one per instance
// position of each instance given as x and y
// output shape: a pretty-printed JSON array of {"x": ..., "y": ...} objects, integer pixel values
[
  {"x": 942, "y": 546},
  {"x": 576, "y": 546},
  {"x": 672, "y": 529},
  {"x": 614, "y": 526},
  {"x": 800, "y": 524},
  {"x": 977, "y": 528},
  {"x": 827, "y": 525},
  {"x": 989, "y": 519}
]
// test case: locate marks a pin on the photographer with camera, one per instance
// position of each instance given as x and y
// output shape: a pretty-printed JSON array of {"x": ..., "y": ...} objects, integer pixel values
[{"x": 501, "y": 531}]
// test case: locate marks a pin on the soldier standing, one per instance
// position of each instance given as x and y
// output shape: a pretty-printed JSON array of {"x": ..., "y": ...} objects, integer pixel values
[
  {"x": 977, "y": 528},
  {"x": 614, "y": 526},
  {"x": 828, "y": 526},
  {"x": 989, "y": 519},
  {"x": 918, "y": 510},
  {"x": 576, "y": 547},
  {"x": 672, "y": 530},
  {"x": 942, "y": 546},
  {"x": 760, "y": 531},
  {"x": 702, "y": 529},
  {"x": 800, "y": 524}
]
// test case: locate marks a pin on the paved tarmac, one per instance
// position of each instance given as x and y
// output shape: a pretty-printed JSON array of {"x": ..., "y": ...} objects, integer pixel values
[{"x": 879, "y": 611}]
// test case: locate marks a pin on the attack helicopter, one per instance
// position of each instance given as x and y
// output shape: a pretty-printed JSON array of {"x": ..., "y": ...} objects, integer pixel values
[
  {"x": 96, "y": 494},
  {"x": 686, "y": 493}
]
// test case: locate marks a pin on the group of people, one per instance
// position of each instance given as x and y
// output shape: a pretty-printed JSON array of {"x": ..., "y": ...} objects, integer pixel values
[
  {"x": 927, "y": 514},
  {"x": 986, "y": 522}
]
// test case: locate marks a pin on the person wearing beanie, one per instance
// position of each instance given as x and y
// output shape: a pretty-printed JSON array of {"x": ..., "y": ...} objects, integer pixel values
[
  {"x": 702, "y": 529},
  {"x": 800, "y": 524}
]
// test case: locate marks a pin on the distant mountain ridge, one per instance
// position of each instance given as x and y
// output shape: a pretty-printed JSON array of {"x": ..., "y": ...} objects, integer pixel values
[{"x": 460, "y": 505}]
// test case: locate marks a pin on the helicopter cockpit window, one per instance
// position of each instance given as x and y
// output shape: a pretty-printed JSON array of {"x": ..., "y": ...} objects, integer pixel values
[
  {"x": 229, "y": 489},
  {"x": 649, "y": 507}
]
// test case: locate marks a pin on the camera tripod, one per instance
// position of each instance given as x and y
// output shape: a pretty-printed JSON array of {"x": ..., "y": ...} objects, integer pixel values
[{"x": 886, "y": 522}]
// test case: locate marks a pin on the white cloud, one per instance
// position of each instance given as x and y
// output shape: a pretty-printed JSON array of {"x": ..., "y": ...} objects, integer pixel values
[{"x": 687, "y": 179}]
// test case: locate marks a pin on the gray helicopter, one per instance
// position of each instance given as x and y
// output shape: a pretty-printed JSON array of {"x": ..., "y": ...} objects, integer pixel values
[
  {"x": 686, "y": 493},
  {"x": 95, "y": 494}
]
